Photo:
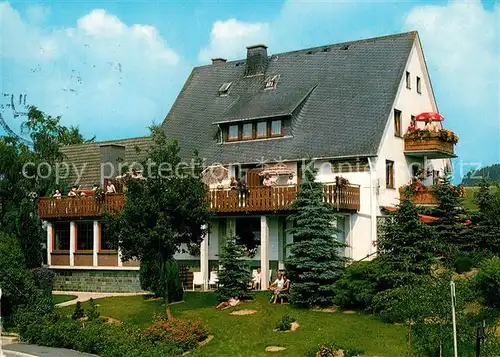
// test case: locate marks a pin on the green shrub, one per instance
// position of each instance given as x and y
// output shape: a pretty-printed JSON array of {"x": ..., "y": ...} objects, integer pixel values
[
  {"x": 92, "y": 312},
  {"x": 78, "y": 313},
  {"x": 44, "y": 279},
  {"x": 463, "y": 264},
  {"x": 96, "y": 337},
  {"x": 487, "y": 282},
  {"x": 358, "y": 285},
  {"x": 183, "y": 333},
  {"x": 285, "y": 323}
]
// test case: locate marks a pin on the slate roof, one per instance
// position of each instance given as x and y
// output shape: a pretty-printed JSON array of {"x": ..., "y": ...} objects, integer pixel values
[
  {"x": 349, "y": 89},
  {"x": 88, "y": 157}
]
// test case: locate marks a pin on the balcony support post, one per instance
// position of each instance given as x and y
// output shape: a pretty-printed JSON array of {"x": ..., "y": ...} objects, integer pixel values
[
  {"x": 264, "y": 252},
  {"x": 96, "y": 243},
  {"x": 281, "y": 243},
  {"x": 72, "y": 243},
  {"x": 204, "y": 260},
  {"x": 50, "y": 239}
]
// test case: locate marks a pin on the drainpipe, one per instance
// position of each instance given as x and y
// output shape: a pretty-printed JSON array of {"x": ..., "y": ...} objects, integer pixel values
[{"x": 373, "y": 218}]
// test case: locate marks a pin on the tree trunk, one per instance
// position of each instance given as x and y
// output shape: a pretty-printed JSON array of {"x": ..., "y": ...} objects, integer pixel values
[{"x": 168, "y": 311}]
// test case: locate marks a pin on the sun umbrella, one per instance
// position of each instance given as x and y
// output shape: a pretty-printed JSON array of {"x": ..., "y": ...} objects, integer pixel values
[
  {"x": 429, "y": 115},
  {"x": 214, "y": 174}
]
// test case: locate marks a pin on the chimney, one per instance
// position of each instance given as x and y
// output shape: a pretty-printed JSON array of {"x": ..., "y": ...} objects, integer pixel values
[
  {"x": 112, "y": 156},
  {"x": 218, "y": 60},
  {"x": 256, "y": 60}
]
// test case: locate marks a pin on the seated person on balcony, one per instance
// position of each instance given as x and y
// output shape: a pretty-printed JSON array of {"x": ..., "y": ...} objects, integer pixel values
[
  {"x": 72, "y": 193},
  {"x": 241, "y": 185},
  {"x": 110, "y": 188},
  {"x": 290, "y": 180},
  {"x": 233, "y": 184},
  {"x": 412, "y": 127},
  {"x": 431, "y": 126},
  {"x": 256, "y": 279},
  {"x": 57, "y": 194},
  {"x": 95, "y": 187},
  {"x": 227, "y": 304},
  {"x": 277, "y": 287},
  {"x": 267, "y": 182}
]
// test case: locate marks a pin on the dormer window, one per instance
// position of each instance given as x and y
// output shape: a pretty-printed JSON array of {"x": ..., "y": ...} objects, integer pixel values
[
  {"x": 224, "y": 88},
  {"x": 261, "y": 129},
  {"x": 272, "y": 82}
]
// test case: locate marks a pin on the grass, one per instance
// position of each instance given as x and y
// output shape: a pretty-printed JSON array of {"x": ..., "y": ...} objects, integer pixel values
[
  {"x": 57, "y": 299},
  {"x": 249, "y": 335}
]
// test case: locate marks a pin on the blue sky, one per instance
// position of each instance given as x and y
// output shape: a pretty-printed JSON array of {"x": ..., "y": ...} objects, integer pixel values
[{"x": 113, "y": 68}]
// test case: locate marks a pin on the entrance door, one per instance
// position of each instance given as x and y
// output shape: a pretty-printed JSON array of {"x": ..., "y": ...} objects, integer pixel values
[{"x": 253, "y": 178}]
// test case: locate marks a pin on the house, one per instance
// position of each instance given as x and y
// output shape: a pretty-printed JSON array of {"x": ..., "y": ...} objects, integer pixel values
[{"x": 344, "y": 107}]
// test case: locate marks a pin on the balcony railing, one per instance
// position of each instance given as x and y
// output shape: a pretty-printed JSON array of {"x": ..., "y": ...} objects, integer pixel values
[
  {"x": 424, "y": 196},
  {"x": 265, "y": 199},
  {"x": 258, "y": 199},
  {"x": 85, "y": 206},
  {"x": 431, "y": 146}
]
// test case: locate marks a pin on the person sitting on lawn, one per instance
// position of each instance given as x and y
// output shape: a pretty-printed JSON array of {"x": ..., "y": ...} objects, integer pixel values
[
  {"x": 283, "y": 296},
  {"x": 277, "y": 287},
  {"x": 227, "y": 304}
]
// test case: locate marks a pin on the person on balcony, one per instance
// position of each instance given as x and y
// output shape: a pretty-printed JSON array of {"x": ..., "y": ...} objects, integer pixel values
[
  {"x": 72, "y": 193},
  {"x": 95, "y": 187},
  {"x": 267, "y": 182},
  {"x": 57, "y": 195},
  {"x": 110, "y": 188},
  {"x": 290, "y": 182},
  {"x": 431, "y": 126},
  {"x": 233, "y": 184}
]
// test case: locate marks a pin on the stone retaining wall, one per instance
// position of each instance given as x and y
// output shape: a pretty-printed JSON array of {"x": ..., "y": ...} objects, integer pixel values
[{"x": 108, "y": 281}]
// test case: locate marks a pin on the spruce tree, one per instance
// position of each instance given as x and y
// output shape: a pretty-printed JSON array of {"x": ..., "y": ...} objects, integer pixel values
[
  {"x": 487, "y": 220},
  {"x": 234, "y": 274},
  {"x": 316, "y": 257},
  {"x": 406, "y": 247},
  {"x": 454, "y": 238}
]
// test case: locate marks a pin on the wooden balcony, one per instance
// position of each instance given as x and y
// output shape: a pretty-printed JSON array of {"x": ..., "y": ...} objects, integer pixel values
[
  {"x": 425, "y": 197},
  {"x": 276, "y": 199},
  {"x": 432, "y": 147},
  {"x": 258, "y": 199},
  {"x": 76, "y": 207}
]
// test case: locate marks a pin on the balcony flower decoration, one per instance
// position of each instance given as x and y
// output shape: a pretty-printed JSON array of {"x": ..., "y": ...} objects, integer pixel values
[
  {"x": 448, "y": 136},
  {"x": 417, "y": 134},
  {"x": 413, "y": 188},
  {"x": 99, "y": 195}
]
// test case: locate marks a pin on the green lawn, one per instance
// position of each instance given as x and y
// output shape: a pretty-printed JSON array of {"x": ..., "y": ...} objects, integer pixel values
[
  {"x": 62, "y": 298},
  {"x": 249, "y": 335}
]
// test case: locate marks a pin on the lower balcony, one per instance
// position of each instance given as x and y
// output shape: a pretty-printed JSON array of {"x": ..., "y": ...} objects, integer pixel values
[
  {"x": 275, "y": 199},
  {"x": 425, "y": 196}
]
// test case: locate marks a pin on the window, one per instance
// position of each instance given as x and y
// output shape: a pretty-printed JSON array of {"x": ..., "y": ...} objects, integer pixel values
[
  {"x": 61, "y": 236},
  {"x": 397, "y": 123},
  {"x": 247, "y": 132},
  {"x": 408, "y": 80},
  {"x": 224, "y": 88},
  {"x": 419, "y": 86},
  {"x": 233, "y": 132},
  {"x": 276, "y": 127},
  {"x": 85, "y": 236},
  {"x": 271, "y": 82},
  {"x": 389, "y": 174},
  {"x": 106, "y": 242},
  {"x": 261, "y": 129}
]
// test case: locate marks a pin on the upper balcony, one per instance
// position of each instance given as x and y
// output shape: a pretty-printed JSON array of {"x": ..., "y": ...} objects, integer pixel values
[
  {"x": 257, "y": 199},
  {"x": 430, "y": 144}
]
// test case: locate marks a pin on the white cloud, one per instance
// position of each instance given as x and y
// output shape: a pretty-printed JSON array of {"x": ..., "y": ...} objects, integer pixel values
[
  {"x": 228, "y": 39},
  {"x": 114, "y": 77}
]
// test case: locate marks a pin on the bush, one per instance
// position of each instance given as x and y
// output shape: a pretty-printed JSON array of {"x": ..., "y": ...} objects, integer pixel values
[
  {"x": 358, "y": 285},
  {"x": 487, "y": 282},
  {"x": 92, "y": 312},
  {"x": 463, "y": 264},
  {"x": 78, "y": 313},
  {"x": 44, "y": 279},
  {"x": 285, "y": 323},
  {"x": 184, "y": 333},
  {"x": 96, "y": 337}
]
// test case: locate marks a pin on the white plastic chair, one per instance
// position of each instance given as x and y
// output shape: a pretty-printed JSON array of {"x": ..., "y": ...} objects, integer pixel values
[
  {"x": 197, "y": 279},
  {"x": 213, "y": 279}
]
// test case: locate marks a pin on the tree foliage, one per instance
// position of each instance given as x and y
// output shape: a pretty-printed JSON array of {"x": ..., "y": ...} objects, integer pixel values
[
  {"x": 162, "y": 214},
  {"x": 234, "y": 273},
  {"x": 487, "y": 220},
  {"x": 316, "y": 257},
  {"x": 406, "y": 246}
]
